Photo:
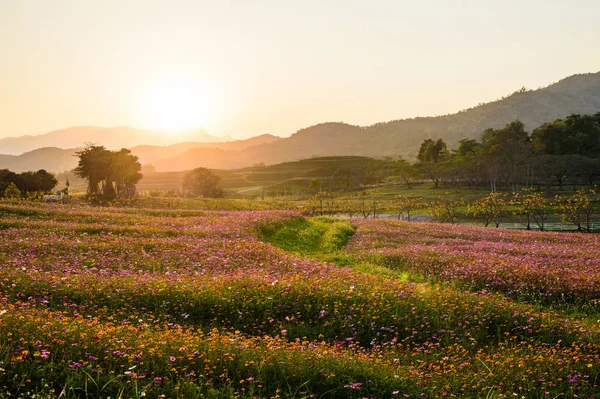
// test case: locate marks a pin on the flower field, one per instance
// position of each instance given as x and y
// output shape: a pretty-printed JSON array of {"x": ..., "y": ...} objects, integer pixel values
[
  {"x": 117, "y": 302},
  {"x": 549, "y": 268}
]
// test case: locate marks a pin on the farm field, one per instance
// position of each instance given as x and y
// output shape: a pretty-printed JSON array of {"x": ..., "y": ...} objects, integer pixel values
[{"x": 130, "y": 303}]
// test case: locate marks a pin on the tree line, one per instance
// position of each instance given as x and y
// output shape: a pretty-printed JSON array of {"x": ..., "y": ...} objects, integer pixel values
[
  {"x": 26, "y": 184},
  {"x": 561, "y": 152},
  {"x": 528, "y": 206}
]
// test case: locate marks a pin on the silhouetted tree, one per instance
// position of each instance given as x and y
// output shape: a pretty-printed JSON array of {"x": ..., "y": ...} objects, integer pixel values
[
  {"x": 6, "y": 177},
  {"x": 126, "y": 173},
  {"x": 100, "y": 167},
  {"x": 95, "y": 166}
]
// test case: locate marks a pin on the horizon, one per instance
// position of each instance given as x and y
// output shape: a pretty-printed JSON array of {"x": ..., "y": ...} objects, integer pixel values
[
  {"x": 230, "y": 137},
  {"x": 221, "y": 68}
]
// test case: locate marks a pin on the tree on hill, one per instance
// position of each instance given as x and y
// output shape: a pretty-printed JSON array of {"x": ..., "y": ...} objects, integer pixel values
[
  {"x": 575, "y": 134},
  {"x": 432, "y": 151},
  {"x": 202, "y": 182}
]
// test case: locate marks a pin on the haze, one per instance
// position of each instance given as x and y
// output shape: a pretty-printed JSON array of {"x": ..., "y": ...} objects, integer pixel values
[{"x": 250, "y": 68}]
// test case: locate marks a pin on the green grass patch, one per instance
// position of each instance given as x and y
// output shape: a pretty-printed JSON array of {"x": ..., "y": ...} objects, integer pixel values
[{"x": 315, "y": 237}]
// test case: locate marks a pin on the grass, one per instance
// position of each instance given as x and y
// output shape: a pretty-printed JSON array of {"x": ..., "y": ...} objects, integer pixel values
[{"x": 315, "y": 237}]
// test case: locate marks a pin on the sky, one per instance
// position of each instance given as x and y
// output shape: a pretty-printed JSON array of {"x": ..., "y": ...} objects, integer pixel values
[{"x": 244, "y": 68}]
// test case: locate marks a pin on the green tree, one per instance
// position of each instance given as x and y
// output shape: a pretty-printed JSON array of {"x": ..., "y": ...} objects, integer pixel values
[
  {"x": 12, "y": 192},
  {"x": 432, "y": 151},
  {"x": 506, "y": 155},
  {"x": 575, "y": 134},
  {"x": 403, "y": 169},
  {"x": 202, "y": 182}
]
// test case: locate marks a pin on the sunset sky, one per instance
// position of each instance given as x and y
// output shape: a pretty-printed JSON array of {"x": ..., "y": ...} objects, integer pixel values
[{"x": 244, "y": 68}]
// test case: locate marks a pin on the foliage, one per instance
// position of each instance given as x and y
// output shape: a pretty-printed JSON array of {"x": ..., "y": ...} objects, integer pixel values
[
  {"x": 101, "y": 167},
  {"x": 533, "y": 206},
  {"x": 12, "y": 192},
  {"x": 202, "y": 182},
  {"x": 577, "y": 209},
  {"x": 28, "y": 183},
  {"x": 575, "y": 134},
  {"x": 432, "y": 151},
  {"x": 406, "y": 205},
  {"x": 445, "y": 209},
  {"x": 490, "y": 208}
]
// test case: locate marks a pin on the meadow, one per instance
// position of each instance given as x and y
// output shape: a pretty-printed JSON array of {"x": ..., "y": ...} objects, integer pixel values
[{"x": 130, "y": 303}]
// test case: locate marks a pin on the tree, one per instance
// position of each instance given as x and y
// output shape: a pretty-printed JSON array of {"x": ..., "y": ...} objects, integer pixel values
[
  {"x": 315, "y": 185},
  {"x": 45, "y": 181},
  {"x": 467, "y": 147},
  {"x": 532, "y": 205},
  {"x": 12, "y": 192},
  {"x": 95, "y": 166},
  {"x": 578, "y": 209},
  {"x": 405, "y": 205},
  {"x": 490, "y": 208},
  {"x": 28, "y": 182},
  {"x": 431, "y": 171},
  {"x": 202, "y": 182},
  {"x": 432, "y": 151},
  {"x": 125, "y": 171},
  {"x": 445, "y": 209},
  {"x": 575, "y": 134},
  {"x": 102, "y": 167},
  {"x": 6, "y": 177},
  {"x": 405, "y": 171},
  {"x": 506, "y": 155}
]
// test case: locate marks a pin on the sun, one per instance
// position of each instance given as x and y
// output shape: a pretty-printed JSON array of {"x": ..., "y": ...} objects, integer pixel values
[{"x": 176, "y": 104}]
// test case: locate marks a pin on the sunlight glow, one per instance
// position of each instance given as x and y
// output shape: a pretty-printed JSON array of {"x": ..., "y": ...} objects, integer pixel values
[{"x": 175, "y": 104}]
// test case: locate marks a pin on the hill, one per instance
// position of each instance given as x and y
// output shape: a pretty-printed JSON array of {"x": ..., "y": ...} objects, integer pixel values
[
  {"x": 576, "y": 94},
  {"x": 284, "y": 178},
  {"x": 157, "y": 155},
  {"x": 51, "y": 159}
]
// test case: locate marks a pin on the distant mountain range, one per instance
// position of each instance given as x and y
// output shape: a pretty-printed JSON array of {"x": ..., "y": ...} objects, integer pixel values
[
  {"x": 576, "y": 94},
  {"x": 110, "y": 137}
]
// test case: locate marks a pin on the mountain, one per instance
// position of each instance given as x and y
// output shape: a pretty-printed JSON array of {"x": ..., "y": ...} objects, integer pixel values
[
  {"x": 58, "y": 160},
  {"x": 157, "y": 154},
  {"x": 112, "y": 138},
  {"x": 576, "y": 94},
  {"x": 50, "y": 158}
]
